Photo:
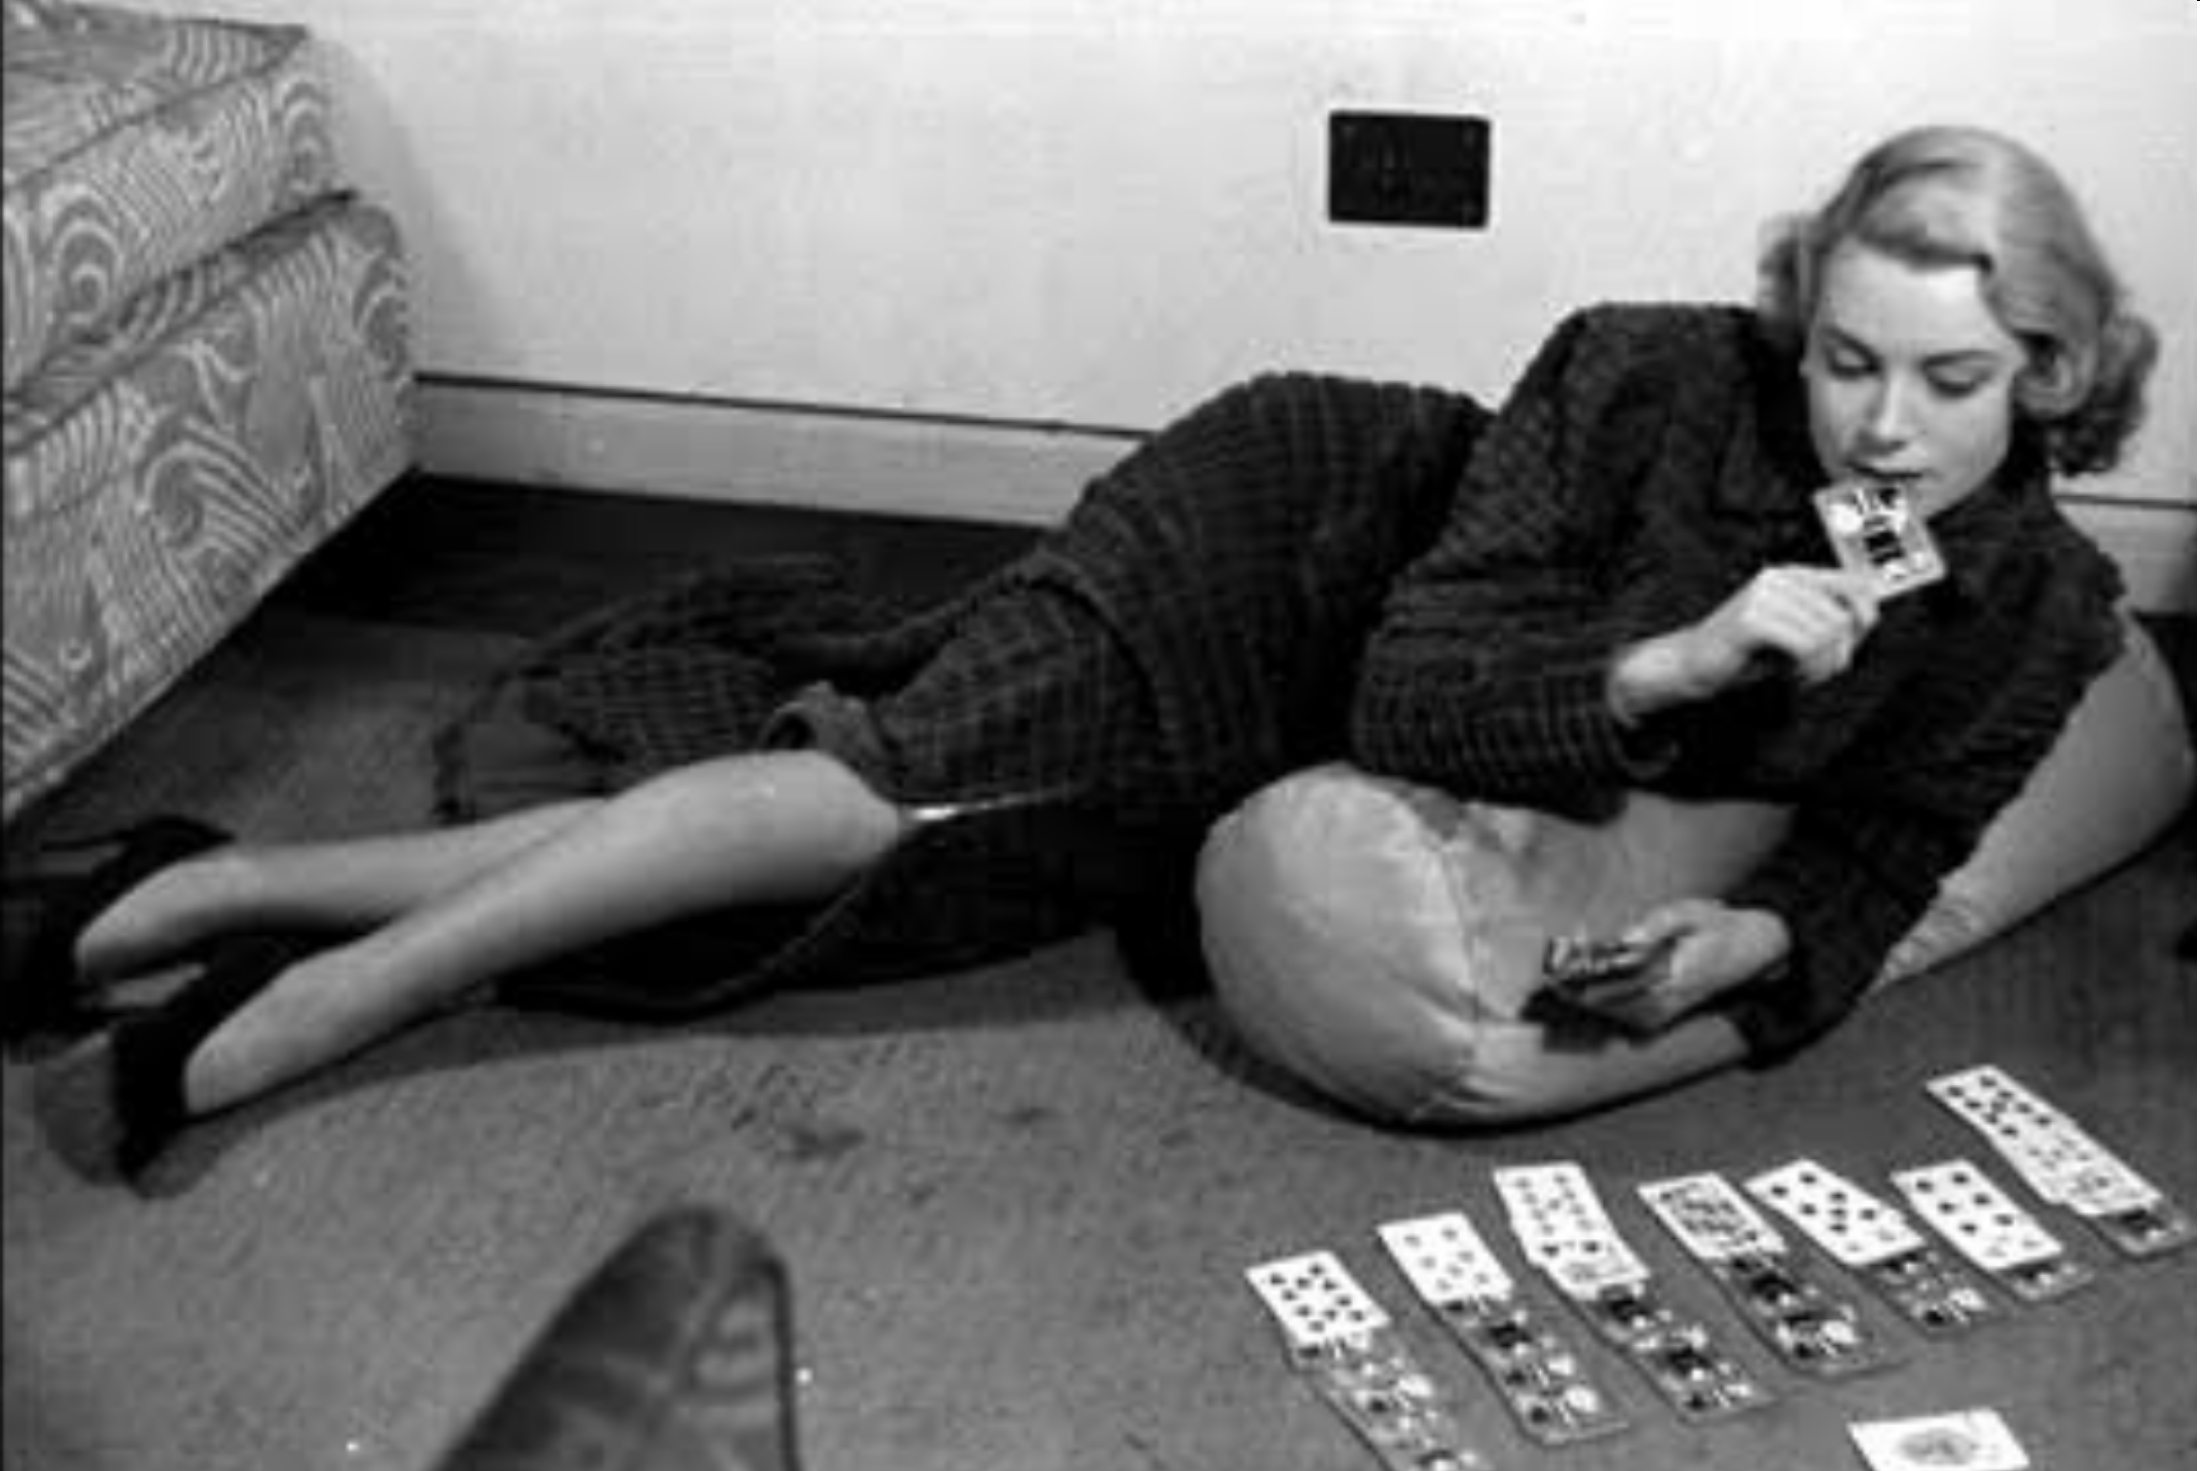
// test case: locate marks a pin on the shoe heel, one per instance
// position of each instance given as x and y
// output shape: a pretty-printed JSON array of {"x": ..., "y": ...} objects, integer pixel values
[
  {"x": 113, "y": 1102},
  {"x": 44, "y": 989}
]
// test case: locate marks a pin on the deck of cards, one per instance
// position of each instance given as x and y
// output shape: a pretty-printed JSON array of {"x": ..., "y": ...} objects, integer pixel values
[{"x": 1584, "y": 974}]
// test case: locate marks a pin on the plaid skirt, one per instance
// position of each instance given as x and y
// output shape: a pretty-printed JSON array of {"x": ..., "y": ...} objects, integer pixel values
[
  {"x": 1026, "y": 752},
  {"x": 1063, "y": 732}
]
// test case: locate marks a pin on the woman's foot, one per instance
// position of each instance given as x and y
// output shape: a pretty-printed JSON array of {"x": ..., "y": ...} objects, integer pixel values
[
  {"x": 167, "y": 916},
  {"x": 125, "y": 908},
  {"x": 114, "y": 1101}
]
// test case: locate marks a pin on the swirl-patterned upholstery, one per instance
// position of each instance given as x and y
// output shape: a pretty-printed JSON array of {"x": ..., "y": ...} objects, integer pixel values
[
  {"x": 206, "y": 355},
  {"x": 137, "y": 146}
]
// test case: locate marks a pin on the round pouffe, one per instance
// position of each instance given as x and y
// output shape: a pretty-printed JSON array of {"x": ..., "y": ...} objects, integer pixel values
[
  {"x": 1328, "y": 924},
  {"x": 1379, "y": 939}
]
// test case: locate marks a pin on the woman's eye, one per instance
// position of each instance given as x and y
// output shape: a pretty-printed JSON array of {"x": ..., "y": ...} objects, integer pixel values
[{"x": 1962, "y": 387}]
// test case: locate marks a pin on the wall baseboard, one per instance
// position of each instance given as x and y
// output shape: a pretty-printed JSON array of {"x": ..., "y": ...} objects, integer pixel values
[
  {"x": 2150, "y": 541},
  {"x": 746, "y": 454},
  {"x": 908, "y": 465}
]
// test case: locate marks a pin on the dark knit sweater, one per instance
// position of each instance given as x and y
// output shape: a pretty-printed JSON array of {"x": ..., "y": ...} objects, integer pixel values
[{"x": 1650, "y": 461}]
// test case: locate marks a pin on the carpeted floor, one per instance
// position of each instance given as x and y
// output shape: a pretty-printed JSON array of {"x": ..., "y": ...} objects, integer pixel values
[{"x": 1017, "y": 1202}]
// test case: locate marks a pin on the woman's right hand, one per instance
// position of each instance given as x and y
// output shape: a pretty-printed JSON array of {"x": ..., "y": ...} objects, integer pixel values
[{"x": 1808, "y": 620}]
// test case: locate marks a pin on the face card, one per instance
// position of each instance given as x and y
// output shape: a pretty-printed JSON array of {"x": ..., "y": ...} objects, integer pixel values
[
  {"x": 1563, "y": 1229},
  {"x": 1811, "y": 1330},
  {"x": 1874, "y": 529},
  {"x": 1710, "y": 1218},
  {"x": 1971, "y": 1440}
]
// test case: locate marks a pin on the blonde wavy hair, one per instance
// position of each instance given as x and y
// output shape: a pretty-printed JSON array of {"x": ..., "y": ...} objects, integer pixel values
[{"x": 1965, "y": 196}]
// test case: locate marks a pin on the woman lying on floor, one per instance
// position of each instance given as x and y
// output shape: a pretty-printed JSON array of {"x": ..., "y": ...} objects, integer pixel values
[{"x": 1616, "y": 583}]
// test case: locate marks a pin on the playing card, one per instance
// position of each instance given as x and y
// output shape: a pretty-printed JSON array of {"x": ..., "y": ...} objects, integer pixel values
[
  {"x": 1993, "y": 1232},
  {"x": 1855, "y": 1228},
  {"x": 1563, "y": 1230},
  {"x": 2063, "y": 1164},
  {"x": 1551, "y": 1206},
  {"x": 1562, "y": 1227},
  {"x": 1976, "y": 1216},
  {"x": 1446, "y": 1260},
  {"x": 1709, "y": 1217},
  {"x": 2044, "y": 1145},
  {"x": 1876, "y": 1241},
  {"x": 1541, "y": 1379},
  {"x": 1811, "y": 1330},
  {"x": 1315, "y": 1301},
  {"x": 1970, "y": 1440},
  {"x": 1342, "y": 1347},
  {"x": 1875, "y": 529}
]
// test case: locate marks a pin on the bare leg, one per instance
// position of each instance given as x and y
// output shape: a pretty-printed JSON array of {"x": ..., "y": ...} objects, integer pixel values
[
  {"x": 353, "y": 884},
  {"x": 775, "y": 827}
]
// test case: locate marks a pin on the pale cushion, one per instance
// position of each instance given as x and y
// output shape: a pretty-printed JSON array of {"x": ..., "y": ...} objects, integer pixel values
[
  {"x": 2122, "y": 771},
  {"x": 1379, "y": 939}
]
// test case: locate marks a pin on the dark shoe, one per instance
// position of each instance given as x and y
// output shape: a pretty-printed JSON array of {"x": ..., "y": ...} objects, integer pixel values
[
  {"x": 112, "y": 1102},
  {"x": 676, "y": 1355},
  {"x": 44, "y": 993}
]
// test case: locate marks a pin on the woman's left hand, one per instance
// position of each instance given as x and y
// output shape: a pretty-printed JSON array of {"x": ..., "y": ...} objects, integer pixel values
[{"x": 1705, "y": 948}]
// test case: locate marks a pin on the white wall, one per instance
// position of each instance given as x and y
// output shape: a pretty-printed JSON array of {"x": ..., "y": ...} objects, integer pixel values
[{"x": 1096, "y": 213}]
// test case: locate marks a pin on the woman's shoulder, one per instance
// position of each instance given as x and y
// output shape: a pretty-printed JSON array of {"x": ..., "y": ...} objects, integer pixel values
[
  {"x": 1699, "y": 343},
  {"x": 1658, "y": 327}
]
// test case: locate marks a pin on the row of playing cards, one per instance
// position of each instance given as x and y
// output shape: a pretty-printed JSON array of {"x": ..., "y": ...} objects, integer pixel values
[{"x": 1347, "y": 1346}]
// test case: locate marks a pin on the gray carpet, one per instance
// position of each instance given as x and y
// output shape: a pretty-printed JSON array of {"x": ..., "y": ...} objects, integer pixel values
[{"x": 1017, "y": 1202}]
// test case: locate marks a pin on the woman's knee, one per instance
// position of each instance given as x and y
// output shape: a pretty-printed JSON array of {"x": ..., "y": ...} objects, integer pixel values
[{"x": 805, "y": 813}]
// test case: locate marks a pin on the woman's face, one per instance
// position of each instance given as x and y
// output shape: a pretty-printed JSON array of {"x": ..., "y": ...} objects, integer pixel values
[{"x": 1910, "y": 377}]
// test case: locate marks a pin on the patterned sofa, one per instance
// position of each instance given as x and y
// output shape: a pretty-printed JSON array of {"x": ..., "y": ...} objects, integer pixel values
[{"x": 206, "y": 361}]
